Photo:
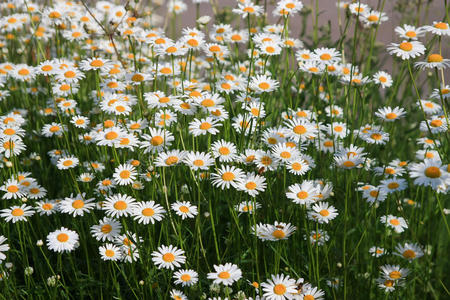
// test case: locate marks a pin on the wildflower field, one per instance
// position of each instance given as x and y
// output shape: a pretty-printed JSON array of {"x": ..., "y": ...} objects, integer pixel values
[{"x": 258, "y": 152}]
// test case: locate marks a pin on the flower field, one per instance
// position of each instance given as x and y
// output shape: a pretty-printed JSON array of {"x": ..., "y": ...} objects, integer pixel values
[{"x": 260, "y": 152}]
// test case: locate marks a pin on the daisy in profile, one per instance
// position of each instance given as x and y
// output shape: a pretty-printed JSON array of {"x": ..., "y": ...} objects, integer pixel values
[
  {"x": 198, "y": 160},
  {"x": 17, "y": 213},
  {"x": 225, "y": 274},
  {"x": 396, "y": 223},
  {"x": 438, "y": 28},
  {"x": 3, "y": 248},
  {"x": 177, "y": 295},
  {"x": 443, "y": 91},
  {"x": 377, "y": 251},
  {"x": 252, "y": 184},
  {"x": 327, "y": 56},
  {"x": 248, "y": 207},
  {"x": 146, "y": 212},
  {"x": 263, "y": 83},
  {"x": 184, "y": 209},
  {"x": 434, "y": 60},
  {"x": 318, "y": 237},
  {"x": 110, "y": 252},
  {"x": 409, "y": 251},
  {"x": 304, "y": 194},
  {"x": 406, "y": 49},
  {"x": 107, "y": 229},
  {"x": 408, "y": 32},
  {"x": 388, "y": 285},
  {"x": 225, "y": 151},
  {"x": 322, "y": 212},
  {"x": 279, "y": 287},
  {"x": 279, "y": 231},
  {"x": 436, "y": 124},
  {"x": 247, "y": 8},
  {"x": 185, "y": 277},
  {"x": 168, "y": 257},
  {"x": 204, "y": 126},
  {"x": 169, "y": 158},
  {"x": 62, "y": 240},
  {"x": 382, "y": 78},
  {"x": 119, "y": 205},
  {"x": 96, "y": 63},
  {"x": 125, "y": 174},
  {"x": 430, "y": 172},
  {"x": 227, "y": 176},
  {"x": 310, "y": 292},
  {"x": 394, "y": 272},
  {"x": 393, "y": 185},
  {"x": 77, "y": 205},
  {"x": 389, "y": 114}
]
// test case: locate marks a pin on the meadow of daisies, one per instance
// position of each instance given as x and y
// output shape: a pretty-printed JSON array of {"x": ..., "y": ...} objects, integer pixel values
[{"x": 257, "y": 154}]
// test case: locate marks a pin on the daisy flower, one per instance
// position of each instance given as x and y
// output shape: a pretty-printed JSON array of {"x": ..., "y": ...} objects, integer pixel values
[
  {"x": 300, "y": 130},
  {"x": 177, "y": 295},
  {"x": 247, "y": 8},
  {"x": 168, "y": 257},
  {"x": 389, "y": 114},
  {"x": 252, "y": 184},
  {"x": 185, "y": 277},
  {"x": 225, "y": 151},
  {"x": 184, "y": 209},
  {"x": 169, "y": 158},
  {"x": 76, "y": 206},
  {"x": 247, "y": 207},
  {"x": 298, "y": 166},
  {"x": 204, "y": 126},
  {"x": 198, "y": 160},
  {"x": 279, "y": 287},
  {"x": 393, "y": 185},
  {"x": 62, "y": 240},
  {"x": 430, "y": 172},
  {"x": 158, "y": 140},
  {"x": 375, "y": 194},
  {"x": 125, "y": 174},
  {"x": 409, "y": 251},
  {"x": 278, "y": 231},
  {"x": 388, "y": 285},
  {"x": 438, "y": 28},
  {"x": 409, "y": 32},
  {"x": 310, "y": 292},
  {"x": 303, "y": 194},
  {"x": 110, "y": 252},
  {"x": 377, "y": 251},
  {"x": 23, "y": 72},
  {"x": 406, "y": 50},
  {"x": 320, "y": 237},
  {"x": 227, "y": 176},
  {"x": 394, "y": 272},
  {"x": 284, "y": 153},
  {"x": 12, "y": 189},
  {"x": 3, "y": 248},
  {"x": 46, "y": 207},
  {"x": 225, "y": 274},
  {"x": 69, "y": 75},
  {"x": 263, "y": 83},
  {"x": 322, "y": 212},
  {"x": 96, "y": 63},
  {"x": 327, "y": 56},
  {"x": 382, "y": 78},
  {"x": 146, "y": 212},
  {"x": 396, "y": 223},
  {"x": 17, "y": 213},
  {"x": 119, "y": 205},
  {"x": 434, "y": 60},
  {"x": 107, "y": 229}
]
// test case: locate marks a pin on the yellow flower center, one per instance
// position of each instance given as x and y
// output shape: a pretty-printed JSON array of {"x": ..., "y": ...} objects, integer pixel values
[
  {"x": 148, "y": 212},
  {"x": 168, "y": 257},
  {"x": 279, "y": 289},
  {"x": 228, "y": 176},
  {"x": 120, "y": 205},
  {"x": 435, "y": 58},
  {"x": 62, "y": 237},
  {"x": 406, "y": 46},
  {"x": 77, "y": 204},
  {"x": 433, "y": 172}
]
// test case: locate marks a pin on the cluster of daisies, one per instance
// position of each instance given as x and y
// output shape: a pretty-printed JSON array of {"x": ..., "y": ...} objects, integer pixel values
[{"x": 121, "y": 109}]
